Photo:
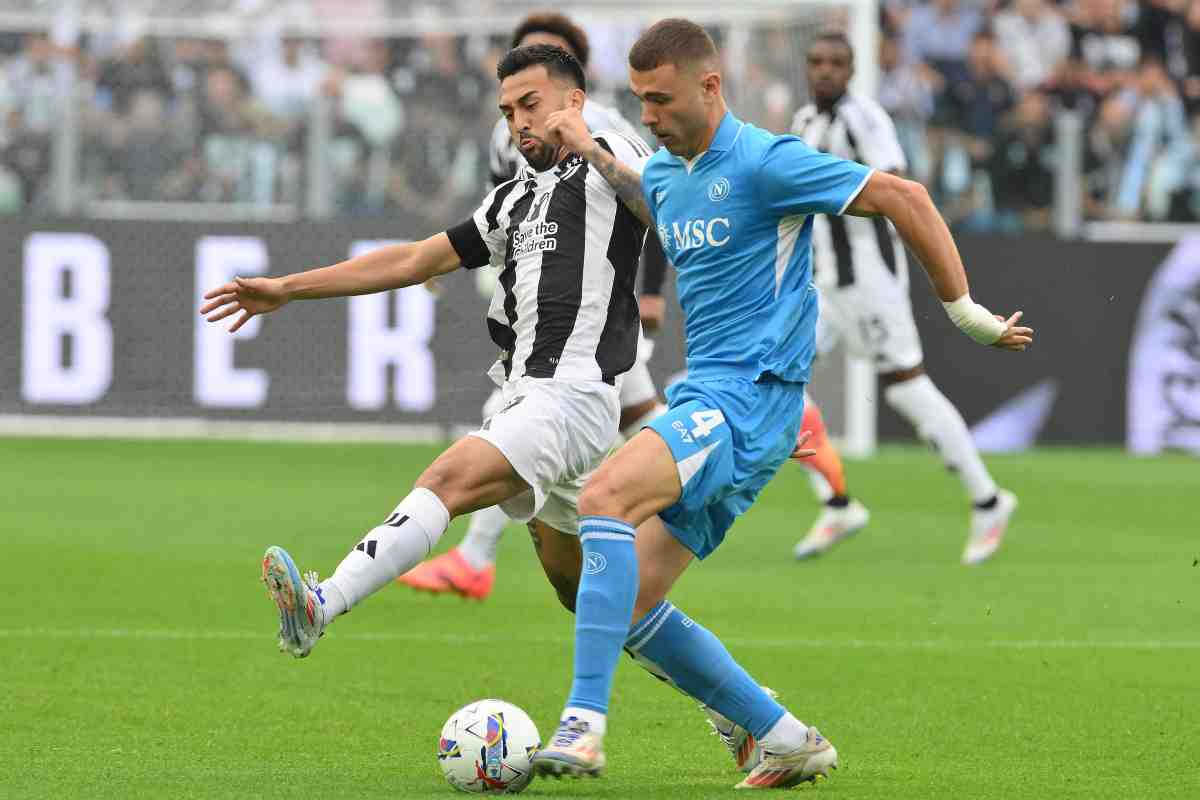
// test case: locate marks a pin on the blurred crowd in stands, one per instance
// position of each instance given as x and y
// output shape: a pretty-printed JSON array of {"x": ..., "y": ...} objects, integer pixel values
[{"x": 975, "y": 89}]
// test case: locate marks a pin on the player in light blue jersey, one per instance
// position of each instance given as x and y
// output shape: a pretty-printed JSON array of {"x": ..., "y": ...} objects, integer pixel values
[{"x": 733, "y": 205}]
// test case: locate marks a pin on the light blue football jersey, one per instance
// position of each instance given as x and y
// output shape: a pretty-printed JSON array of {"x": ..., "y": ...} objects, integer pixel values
[{"x": 736, "y": 222}]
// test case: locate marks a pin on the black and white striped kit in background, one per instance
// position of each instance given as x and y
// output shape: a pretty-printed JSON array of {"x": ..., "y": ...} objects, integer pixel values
[
  {"x": 567, "y": 249},
  {"x": 860, "y": 130}
]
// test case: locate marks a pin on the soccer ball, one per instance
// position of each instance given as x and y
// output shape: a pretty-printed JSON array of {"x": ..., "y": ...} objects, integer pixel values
[{"x": 486, "y": 747}]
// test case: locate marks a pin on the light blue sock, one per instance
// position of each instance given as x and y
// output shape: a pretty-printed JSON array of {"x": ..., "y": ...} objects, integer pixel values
[
  {"x": 608, "y": 589},
  {"x": 694, "y": 660}
]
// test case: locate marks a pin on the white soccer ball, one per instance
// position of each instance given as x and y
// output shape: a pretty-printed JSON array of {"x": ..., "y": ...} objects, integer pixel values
[{"x": 486, "y": 747}]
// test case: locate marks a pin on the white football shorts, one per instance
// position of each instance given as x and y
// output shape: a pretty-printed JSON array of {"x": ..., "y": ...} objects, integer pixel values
[
  {"x": 872, "y": 317},
  {"x": 554, "y": 433},
  {"x": 634, "y": 387}
]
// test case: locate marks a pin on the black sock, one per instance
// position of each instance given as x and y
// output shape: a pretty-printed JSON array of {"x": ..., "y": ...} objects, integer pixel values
[
  {"x": 988, "y": 505},
  {"x": 838, "y": 501}
]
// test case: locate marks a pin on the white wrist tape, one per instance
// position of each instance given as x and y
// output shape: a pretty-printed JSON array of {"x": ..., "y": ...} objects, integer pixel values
[{"x": 974, "y": 320}]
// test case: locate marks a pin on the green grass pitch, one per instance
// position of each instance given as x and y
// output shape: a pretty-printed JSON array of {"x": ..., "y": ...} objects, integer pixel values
[{"x": 138, "y": 659}]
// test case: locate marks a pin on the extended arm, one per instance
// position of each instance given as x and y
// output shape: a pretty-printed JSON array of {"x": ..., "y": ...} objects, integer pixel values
[
  {"x": 390, "y": 267},
  {"x": 908, "y": 205}
]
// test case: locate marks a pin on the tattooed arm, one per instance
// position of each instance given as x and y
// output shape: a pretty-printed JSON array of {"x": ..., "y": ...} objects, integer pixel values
[
  {"x": 625, "y": 182},
  {"x": 572, "y": 133}
]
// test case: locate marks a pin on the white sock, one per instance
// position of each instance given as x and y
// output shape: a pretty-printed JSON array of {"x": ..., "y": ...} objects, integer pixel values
[
  {"x": 938, "y": 422},
  {"x": 787, "y": 735},
  {"x": 597, "y": 722},
  {"x": 478, "y": 547},
  {"x": 386, "y": 552},
  {"x": 631, "y": 430}
]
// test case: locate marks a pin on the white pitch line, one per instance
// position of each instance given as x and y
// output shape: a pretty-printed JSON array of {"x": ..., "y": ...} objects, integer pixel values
[{"x": 477, "y": 638}]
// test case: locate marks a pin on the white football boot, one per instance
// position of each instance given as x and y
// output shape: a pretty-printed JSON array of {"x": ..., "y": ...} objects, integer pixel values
[
  {"x": 834, "y": 525},
  {"x": 301, "y": 609},
  {"x": 785, "y": 770},
  {"x": 988, "y": 528},
  {"x": 738, "y": 741},
  {"x": 575, "y": 751}
]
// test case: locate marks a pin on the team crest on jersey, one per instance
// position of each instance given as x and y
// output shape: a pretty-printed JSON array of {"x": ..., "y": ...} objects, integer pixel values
[
  {"x": 719, "y": 189},
  {"x": 572, "y": 164},
  {"x": 538, "y": 209},
  {"x": 535, "y": 234}
]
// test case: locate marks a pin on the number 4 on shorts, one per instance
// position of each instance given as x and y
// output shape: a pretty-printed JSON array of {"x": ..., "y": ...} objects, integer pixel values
[{"x": 706, "y": 422}]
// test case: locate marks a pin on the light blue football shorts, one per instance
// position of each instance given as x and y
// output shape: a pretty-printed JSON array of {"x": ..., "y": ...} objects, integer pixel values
[{"x": 729, "y": 436}]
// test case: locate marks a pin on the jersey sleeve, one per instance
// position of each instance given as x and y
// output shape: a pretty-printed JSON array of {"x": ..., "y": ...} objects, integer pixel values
[
  {"x": 650, "y": 176},
  {"x": 795, "y": 179},
  {"x": 629, "y": 150},
  {"x": 876, "y": 140},
  {"x": 479, "y": 240}
]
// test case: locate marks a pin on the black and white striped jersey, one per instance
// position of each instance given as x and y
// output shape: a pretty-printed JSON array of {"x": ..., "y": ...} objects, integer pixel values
[
  {"x": 567, "y": 252},
  {"x": 860, "y": 130},
  {"x": 504, "y": 159}
]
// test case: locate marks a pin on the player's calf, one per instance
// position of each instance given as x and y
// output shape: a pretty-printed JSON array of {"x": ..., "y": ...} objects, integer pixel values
[{"x": 560, "y": 556}]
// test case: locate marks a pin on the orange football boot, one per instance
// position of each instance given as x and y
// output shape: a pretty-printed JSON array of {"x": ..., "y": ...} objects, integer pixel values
[{"x": 450, "y": 573}]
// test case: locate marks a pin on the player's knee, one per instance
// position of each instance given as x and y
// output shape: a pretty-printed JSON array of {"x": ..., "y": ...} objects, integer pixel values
[
  {"x": 447, "y": 484},
  {"x": 600, "y": 498}
]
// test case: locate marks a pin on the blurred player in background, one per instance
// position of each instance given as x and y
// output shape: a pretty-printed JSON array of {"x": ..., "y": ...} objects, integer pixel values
[
  {"x": 861, "y": 269},
  {"x": 841, "y": 515},
  {"x": 469, "y": 569},
  {"x": 733, "y": 205}
]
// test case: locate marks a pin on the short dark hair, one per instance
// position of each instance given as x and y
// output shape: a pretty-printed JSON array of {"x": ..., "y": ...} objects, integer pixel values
[
  {"x": 672, "y": 41},
  {"x": 557, "y": 61},
  {"x": 834, "y": 36},
  {"x": 558, "y": 25}
]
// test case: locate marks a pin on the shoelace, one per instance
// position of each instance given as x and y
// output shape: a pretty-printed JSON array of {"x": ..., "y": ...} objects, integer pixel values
[
  {"x": 726, "y": 738},
  {"x": 311, "y": 579},
  {"x": 568, "y": 732}
]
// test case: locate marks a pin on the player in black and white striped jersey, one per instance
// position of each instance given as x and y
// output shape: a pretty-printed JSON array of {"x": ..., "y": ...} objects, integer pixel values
[
  {"x": 565, "y": 319},
  {"x": 564, "y": 306},
  {"x": 504, "y": 157},
  {"x": 469, "y": 568},
  {"x": 639, "y": 396},
  {"x": 861, "y": 270}
]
